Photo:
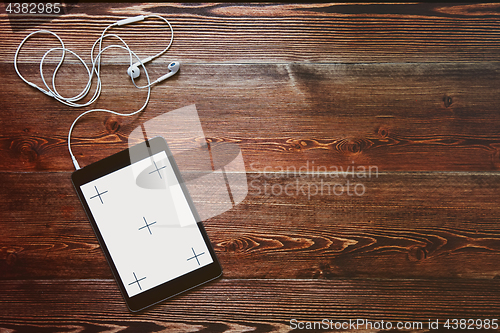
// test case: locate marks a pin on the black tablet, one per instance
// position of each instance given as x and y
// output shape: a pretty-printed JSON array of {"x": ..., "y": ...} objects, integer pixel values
[{"x": 146, "y": 223}]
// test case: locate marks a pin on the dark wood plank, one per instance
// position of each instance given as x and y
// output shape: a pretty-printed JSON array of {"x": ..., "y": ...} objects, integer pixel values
[
  {"x": 240, "y": 305},
  {"x": 397, "y": 87},
  {"x": 282, "y": 33},
  {"x": 397, "y": 116},
  {"x": 404, "y": 225}
]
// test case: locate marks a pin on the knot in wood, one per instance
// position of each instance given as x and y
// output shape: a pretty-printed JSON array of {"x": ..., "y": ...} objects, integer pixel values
[
  {"x": 447, "y": 101},
  {"x": 352, "y": 146},
  {"x": 112, "y": 125},
  {"x": 383, "y": 133},
  {"x": 297, "y": 144},
  {"x": 417, "y": 253},
  {"x": 233, "y": 245},
  {"x": 26, "y": 149}
]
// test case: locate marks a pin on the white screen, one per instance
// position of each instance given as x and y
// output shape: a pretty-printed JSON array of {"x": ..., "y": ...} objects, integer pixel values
[{"x": 150, "y": 232}]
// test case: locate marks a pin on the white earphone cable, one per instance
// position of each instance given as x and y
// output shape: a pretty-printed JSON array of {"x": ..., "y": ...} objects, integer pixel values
[
  {"x": 96, "y": 65},
  {"x": 73, "y": 158}
]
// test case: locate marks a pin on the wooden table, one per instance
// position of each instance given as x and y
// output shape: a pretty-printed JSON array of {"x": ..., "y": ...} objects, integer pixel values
[{"x": 409, "y": 91}]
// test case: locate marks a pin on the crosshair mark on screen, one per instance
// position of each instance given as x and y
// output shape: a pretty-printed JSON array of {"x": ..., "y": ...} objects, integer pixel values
[
  {"x": 137, "y": 281},
  {"x": 196, "y": 256},
  {"x": 98, "y": 194},
  {"x": 157, "y": 169},
  {"x": 147, "y": 225}
]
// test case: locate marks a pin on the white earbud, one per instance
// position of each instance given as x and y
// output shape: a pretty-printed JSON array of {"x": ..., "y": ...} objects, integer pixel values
[
  {"x": 133, "y": 71},
  {"x": 174, "y": 68}
]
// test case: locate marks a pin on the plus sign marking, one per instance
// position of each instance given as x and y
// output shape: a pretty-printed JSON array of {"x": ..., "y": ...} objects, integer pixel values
[
  {"x": 196, "y": 256},
  {"x": 147, "y": 225},
  {"x": 157, "y": 169},
  {"x": 98, "y": 194},
  {"x": 137, "y": 281}
]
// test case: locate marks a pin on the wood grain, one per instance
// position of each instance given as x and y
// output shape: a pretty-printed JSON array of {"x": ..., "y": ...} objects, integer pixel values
[
  {"x": 305, "y": 89},
  {"x": 241, "y": 305},
  {"x": 391, "y": 116},
  {"x": 417, "y": 225},
  {"x": 283, "y": 33}
]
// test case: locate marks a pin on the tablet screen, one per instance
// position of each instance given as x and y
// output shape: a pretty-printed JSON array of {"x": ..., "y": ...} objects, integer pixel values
[{"x": 150, "y": 231}]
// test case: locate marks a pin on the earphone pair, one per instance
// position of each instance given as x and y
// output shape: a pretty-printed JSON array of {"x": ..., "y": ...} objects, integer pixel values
[{"x": 133, "y": 70}]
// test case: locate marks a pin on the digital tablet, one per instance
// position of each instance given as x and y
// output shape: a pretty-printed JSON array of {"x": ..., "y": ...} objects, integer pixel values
[{"x": 146, "y": 224}]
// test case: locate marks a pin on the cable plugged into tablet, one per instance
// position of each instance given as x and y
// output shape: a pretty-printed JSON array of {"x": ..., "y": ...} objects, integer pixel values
[
  {"x": 133, "y": 70},
  {"x": 75, "y": 162}
]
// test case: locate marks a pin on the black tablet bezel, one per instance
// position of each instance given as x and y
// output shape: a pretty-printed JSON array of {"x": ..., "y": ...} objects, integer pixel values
[{"x": 169, "y": 288}]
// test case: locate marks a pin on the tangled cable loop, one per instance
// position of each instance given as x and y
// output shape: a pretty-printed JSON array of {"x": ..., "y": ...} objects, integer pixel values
[{"x": 51, "y": 90}]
